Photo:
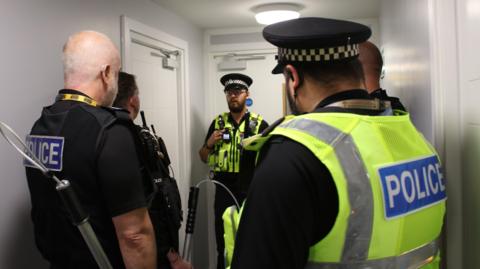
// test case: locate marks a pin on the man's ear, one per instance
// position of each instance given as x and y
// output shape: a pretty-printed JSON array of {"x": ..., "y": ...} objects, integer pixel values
[
  {"x": 106, "y": 73},
  {"x": 132, "y": 101},
  {"x": 291, "y": 75}
]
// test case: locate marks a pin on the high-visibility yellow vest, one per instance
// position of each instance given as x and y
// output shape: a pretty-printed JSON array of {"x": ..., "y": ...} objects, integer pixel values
[
  {"x": 390, "y": 186},
  {"x": 226, "y": 155},
  {"x": 231, "y": 220}
]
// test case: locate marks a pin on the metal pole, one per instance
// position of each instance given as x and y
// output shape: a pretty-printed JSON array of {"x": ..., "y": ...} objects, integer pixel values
[
  {"x": 192, "y": 211},
  {"x": 94, "y": 245}
]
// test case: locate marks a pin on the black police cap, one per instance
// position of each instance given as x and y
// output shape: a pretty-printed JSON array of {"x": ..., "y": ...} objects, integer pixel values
[
  {"x": 236, "y": 81},
  {"x": 315, "y": 40}
]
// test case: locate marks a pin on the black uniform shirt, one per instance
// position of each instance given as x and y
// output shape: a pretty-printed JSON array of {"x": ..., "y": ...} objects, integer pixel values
[
  {"x": 292, "y": 202},
  {"x": 107, "y": 181}
]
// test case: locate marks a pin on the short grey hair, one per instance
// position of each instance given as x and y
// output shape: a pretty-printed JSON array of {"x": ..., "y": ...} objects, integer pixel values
[{"x": 84, "y": 55}]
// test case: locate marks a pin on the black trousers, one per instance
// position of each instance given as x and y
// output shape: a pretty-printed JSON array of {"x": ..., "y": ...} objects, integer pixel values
[{"x": 222, "y": 201}]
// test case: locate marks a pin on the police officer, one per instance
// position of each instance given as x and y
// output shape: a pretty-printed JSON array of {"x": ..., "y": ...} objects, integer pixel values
[
  {"x": 165, "y": 207},
  {"x": 346, "y": 183},
  {"x": 92, "y": 146},
  {"x": 222, "y": 149},
  {"x": 372, "y": 64}
]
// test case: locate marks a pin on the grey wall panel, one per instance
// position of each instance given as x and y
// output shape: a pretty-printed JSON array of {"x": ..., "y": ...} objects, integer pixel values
[
  {"x": 406, "y": 48},
  {"x": 468, "y": 23}
]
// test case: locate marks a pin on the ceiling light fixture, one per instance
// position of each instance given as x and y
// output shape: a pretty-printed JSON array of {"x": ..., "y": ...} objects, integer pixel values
[{"x": 276, "y": 12}]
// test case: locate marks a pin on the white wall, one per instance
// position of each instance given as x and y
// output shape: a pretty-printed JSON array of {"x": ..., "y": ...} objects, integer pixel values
[{"x": 33, "y": 33}]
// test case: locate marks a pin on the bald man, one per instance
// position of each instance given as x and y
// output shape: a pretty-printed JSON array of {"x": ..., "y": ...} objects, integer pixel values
[
  {"x": 372, "y": 64},
  {"x": 94, "y": 147}
]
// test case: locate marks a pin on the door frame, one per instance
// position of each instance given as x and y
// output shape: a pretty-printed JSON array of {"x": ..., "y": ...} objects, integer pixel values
[
  {"x": 445, "y": 39},
  {"x": 128, "y": 26}
]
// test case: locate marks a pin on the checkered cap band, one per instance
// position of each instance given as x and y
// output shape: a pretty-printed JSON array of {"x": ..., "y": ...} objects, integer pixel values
[
  {"x": 318, "y": 55},
  {"x": 236, "y": 81}
]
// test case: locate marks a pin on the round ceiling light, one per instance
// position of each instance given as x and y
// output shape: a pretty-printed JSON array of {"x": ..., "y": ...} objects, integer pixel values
[{"x": 276, "y": 12}]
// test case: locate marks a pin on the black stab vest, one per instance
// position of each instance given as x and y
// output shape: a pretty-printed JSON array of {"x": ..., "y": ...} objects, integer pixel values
[{"x": 57, "y": 238}]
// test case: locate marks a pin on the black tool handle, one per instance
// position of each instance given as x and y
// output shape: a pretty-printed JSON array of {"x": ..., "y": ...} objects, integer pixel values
[
  {"x": 153, "y": 129},
  {"x": 144, "y": 122},
  {"x": 71, "y": 202},
  {"x": 192, "y": 209}
]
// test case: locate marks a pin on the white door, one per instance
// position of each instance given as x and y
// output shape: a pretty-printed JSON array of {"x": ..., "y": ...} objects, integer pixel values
[
  {"x": 158, "y": 96},
  {"x": 266, "y": 91},
  {"x": 161, "y": 92}
]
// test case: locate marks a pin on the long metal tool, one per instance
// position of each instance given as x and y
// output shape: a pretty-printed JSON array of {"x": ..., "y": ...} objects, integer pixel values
[{"x": 192, "y": 211}]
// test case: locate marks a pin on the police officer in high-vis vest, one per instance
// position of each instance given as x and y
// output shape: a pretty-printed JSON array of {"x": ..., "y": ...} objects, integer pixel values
[
  {"x": 347, "y": 182},
  {"x": 81, "y": 139},
  {"x": 223, "y": 152}
]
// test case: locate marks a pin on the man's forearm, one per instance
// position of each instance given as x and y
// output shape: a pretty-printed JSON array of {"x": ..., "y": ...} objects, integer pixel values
[
  {"x": 136, "y": 239},
  {"x": 204, "y": 151},
  {"x": 139, "y": 252}
]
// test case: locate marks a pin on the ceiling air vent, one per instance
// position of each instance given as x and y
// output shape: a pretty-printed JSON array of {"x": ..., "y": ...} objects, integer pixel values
[{"x": 222, "y": 39}]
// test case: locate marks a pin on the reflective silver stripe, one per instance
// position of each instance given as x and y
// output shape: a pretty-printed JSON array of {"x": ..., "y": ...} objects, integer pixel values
[
  {"x": 360, "y": 221},
  {"x": 411, "y": 260}
]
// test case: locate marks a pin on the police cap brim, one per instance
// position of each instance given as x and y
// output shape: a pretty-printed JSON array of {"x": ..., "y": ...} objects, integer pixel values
[{"x": 278, "y": 69}]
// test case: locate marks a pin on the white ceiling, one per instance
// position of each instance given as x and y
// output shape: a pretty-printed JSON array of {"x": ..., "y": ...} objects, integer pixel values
[{"x": 237, "y": 13}]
